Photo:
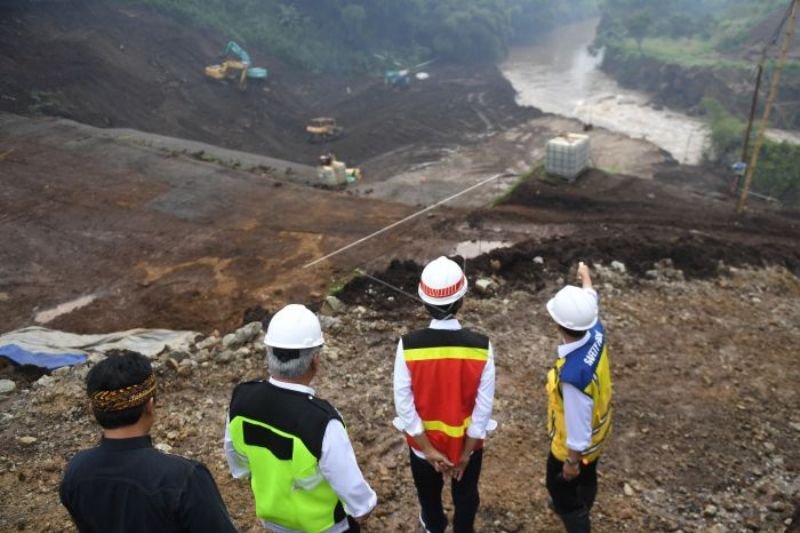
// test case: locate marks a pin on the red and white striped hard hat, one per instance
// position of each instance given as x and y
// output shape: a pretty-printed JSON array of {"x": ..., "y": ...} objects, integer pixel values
[{"x": 442, "y": 282}]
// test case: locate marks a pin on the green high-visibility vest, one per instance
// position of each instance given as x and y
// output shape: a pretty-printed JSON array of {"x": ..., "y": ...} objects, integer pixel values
[{"x": 286, "y": 481}]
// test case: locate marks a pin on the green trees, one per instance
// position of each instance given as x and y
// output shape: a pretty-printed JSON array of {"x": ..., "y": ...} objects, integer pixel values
[
  {"x": 778, "y": 172},
  {"x": 341, "y": 35}
]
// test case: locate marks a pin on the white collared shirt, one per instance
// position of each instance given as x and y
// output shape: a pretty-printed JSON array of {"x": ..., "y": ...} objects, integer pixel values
[
  {"x": 408, "y": 420},
  {"x": 337, "y": 465},
  {"x": 578, "y": 407}
]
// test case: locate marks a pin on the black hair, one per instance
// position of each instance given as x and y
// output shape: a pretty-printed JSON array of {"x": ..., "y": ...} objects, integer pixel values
[
  {"x": 121, "y": 368},
  {"x": 442, "y": 312},
  {"x": 286, "y": 354},
  {"x": 574, "y": 333}
]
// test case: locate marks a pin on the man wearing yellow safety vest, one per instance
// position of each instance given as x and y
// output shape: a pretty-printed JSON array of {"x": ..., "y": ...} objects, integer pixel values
[
  {"x": 579, "y": 411},
  {"x": 293, "y": 445},
  {"x": 443, "y": 391}
]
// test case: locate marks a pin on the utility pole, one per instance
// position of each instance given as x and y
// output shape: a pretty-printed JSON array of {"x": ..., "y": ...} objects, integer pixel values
[
  {"x": 773, "y": 92},
  {"x": 749, "y": 130}
]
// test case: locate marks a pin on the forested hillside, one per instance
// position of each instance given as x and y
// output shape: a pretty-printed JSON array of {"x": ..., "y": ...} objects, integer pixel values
[{"x": 344, "y": 35}]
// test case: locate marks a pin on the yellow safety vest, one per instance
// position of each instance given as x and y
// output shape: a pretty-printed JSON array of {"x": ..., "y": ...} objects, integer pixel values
[{"x": 588, "y": 369}]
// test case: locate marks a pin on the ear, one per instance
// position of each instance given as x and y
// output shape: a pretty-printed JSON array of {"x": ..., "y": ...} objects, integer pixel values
[{"x": 150, "y": 406}]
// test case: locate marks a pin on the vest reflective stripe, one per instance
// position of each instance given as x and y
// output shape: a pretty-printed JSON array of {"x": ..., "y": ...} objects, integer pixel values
[
  {"x": 290, "y": 492},
  {"x": 598, "y": 386},
  {"x": 451, "y": 431},
  {"x": 446, "y": 352},
  {"x": 445, "y": 381}
]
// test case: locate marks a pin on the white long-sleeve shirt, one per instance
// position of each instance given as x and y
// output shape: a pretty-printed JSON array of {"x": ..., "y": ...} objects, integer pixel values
[
  {"x": 578, "y": 407},
  {"x": 409, "y": 421},
  {"x": 337, "y": 465}
]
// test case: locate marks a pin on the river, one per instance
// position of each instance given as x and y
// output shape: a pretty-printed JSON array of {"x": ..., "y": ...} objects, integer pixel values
[{"x": 558, "y": 75}]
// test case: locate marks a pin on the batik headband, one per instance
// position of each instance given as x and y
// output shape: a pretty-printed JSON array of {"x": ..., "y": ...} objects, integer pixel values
[{"x": 125, "y": 398}]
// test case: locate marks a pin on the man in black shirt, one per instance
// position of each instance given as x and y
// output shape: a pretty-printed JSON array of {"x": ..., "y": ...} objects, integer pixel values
[{"x": 125, "y": 484}]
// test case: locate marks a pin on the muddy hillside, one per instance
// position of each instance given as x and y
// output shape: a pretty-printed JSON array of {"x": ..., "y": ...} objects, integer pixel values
[{"x": 105, "y": 63}]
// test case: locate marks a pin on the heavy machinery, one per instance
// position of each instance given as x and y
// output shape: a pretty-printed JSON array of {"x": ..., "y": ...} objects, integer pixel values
[
  {"x": 401, "y": 76},
  {"x": 233, "y": 69},
  {"x": 323, "y": 129},
  {"x": 332, "y": 172}
]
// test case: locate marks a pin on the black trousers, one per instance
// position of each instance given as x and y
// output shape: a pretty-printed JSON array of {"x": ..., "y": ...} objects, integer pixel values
[
  {"x": 354, "y": 527},
  {"x": 429, "y": 484},
  {"x": 572, "y": 496}
]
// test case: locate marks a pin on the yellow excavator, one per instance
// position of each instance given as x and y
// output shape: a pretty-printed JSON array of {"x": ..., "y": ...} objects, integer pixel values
[
  {"x": 323, "y": 129},
  {"x": 233, "y": 69}
]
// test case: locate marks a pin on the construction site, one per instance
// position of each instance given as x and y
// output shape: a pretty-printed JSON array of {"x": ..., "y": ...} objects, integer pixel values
[{"x": 136, "y": 192}]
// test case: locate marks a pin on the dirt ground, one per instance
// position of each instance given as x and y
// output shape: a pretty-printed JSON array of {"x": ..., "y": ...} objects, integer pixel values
[{"x": 702, "y": 306}]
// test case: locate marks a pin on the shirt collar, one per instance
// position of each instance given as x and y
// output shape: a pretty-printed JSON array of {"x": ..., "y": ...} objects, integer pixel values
[
  {"x": 450, "y": 323},
  {"x": 566, "y": 349},
  {"x": 292, "y": 386},
  {"x": 122, "y": 445}
]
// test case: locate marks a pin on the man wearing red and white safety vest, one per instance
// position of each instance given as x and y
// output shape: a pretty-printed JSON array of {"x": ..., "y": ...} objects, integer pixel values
[
  {"x": 579, "y": 412},
  {"x": 443, "y": 392}
]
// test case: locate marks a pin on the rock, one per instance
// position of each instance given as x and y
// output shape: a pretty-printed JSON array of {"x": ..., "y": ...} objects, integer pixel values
[
  {"x": 180, "y": 356},
  {"x": 95, "y": 358},
  {"x": 628, "y": 490},
  {"x": 202, "y": 356},
  {"x": 229, "y": 342},
  {"x": 333, "y": 306},
  {"x": 6, "y": 386},
  {"x": 27, "y": 440},
  {"x": 163, "y": 447},
  {"x": 539, "y": 260},
  {"x": 710, "y": 510},
  {"x": 717, "y": 528},
  {"x": 495, "y": 265},
  {"x": 795, "y": 425},
  {"x": 207, "y": 343},
  {"x": 618, "y": 266},
  {"x": 185, "y": 371},
  {"x": 44, "y": 382},
  {"x": 248, "y": 332},
  {"x": 225, "y": 357},
  {"x": 329, "y": 322},
  {"x": 484, "y": 285},
  {"x": 331, "y": 353}
]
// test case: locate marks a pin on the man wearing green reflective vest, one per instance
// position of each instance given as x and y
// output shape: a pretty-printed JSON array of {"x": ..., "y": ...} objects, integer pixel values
[
  {"x": 293, "y": 445},
  {"x": 579, "y": 407}
]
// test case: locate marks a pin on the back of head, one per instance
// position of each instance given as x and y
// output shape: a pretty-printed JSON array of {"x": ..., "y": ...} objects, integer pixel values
[
  {"x": 574, "y": 309},
  {"x": 294, "y": 336},
  {"x": 442, "y": 287},
  {"x": 119, "y": 387}
]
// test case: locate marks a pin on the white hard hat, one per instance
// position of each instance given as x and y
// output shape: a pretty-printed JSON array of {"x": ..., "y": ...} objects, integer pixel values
[
  {"x": 442, "y": 282},
  {"x": 573, "y": 308},
  {"x": 294, "y": 327}
]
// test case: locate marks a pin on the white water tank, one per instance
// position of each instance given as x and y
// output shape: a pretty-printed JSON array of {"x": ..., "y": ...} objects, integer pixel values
[{"x": 568, "y": 155}]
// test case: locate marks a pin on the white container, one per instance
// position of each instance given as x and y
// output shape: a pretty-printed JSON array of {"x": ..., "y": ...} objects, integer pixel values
[{"x": 568, "y": 155}]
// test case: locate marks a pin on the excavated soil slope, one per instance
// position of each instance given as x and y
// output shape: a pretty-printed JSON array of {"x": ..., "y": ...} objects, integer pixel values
[{"x": 105, "y": 63}]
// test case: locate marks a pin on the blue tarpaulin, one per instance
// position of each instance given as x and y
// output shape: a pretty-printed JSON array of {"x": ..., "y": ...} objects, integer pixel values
[{"x": 50, "y": 361}]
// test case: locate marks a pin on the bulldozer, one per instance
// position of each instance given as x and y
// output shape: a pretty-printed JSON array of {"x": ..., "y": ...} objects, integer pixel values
[
  {"x": 236, "y": 69},
  {"x": 323, "y": 129},
  {"x": 333, "y": 173}
]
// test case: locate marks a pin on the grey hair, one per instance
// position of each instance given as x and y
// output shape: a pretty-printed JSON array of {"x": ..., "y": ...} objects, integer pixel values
[{"x": 293, "y": 368}]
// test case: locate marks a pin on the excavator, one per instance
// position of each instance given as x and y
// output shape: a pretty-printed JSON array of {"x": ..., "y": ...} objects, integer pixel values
[
  {"x": 323, "y": 129},
  {"x": 233, "y": 69},
  {"x": 401, "y": 76}
]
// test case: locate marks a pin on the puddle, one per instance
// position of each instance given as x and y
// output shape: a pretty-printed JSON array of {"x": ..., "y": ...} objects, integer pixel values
[
  {"x": 43, "y": 317},
  {"x": 471, "y": 249}
]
